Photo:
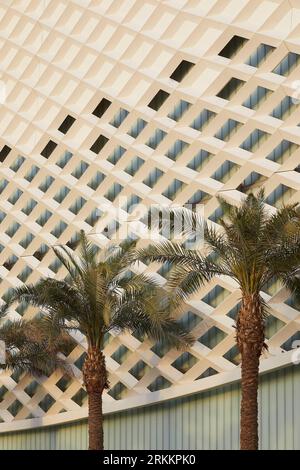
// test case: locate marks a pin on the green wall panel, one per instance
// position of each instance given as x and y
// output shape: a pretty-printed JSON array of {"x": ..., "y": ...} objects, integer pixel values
[{"x": 207, "y": 420}]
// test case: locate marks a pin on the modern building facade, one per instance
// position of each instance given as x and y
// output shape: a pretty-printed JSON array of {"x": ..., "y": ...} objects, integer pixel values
[{"x": 109, "y": 107}]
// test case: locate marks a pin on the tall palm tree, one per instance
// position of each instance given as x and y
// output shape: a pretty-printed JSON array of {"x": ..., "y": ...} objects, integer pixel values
[
  {"x": 101, "y": 294},
  {"x": 253, "y": 248}
]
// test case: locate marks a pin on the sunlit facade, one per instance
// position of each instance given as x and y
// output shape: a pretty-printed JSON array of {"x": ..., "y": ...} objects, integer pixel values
[{"x": 109, "y": 107}]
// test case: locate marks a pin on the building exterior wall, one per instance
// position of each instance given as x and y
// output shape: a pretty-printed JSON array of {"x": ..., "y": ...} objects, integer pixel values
[
  {"x": 109, "y": 105},
  {"x": 208, "y": 420}
]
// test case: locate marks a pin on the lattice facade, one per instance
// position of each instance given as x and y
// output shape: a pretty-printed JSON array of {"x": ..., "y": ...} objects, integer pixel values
[{"x": 131, "y": 103}]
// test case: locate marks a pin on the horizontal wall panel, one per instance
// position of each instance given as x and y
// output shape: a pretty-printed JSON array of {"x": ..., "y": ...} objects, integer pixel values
[{"x": 208, "y": 420}]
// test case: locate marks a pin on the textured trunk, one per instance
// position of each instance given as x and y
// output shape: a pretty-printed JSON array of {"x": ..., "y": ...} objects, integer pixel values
[
  {"x": 250, "y": 340},
  {"x": 95, "y": 380}
]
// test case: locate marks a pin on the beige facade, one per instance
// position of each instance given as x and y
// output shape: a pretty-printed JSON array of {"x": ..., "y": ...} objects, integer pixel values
[{"x": 109, "y": 107}]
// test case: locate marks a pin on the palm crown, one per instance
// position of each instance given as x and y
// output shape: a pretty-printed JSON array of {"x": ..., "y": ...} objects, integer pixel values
[
  {"x": 101, "y": 293},
  {"x": 253, "y": 248}
]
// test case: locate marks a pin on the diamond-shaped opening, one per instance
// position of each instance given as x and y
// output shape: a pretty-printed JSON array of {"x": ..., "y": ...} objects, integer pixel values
[
  {"x": 233, "y": 313},
  {"x": 233, "y": 46},
  {"x": 233, "y": 355},
  {"x": 46, "y": 402},
  {"x": 64, "y": 383},
  {"x": 215, "y": 296},
  {"x": 158, "y": 100},
  {"x": 118, "y": 391},
  {"x": 272, "y": 325},
  {"x": 181, "y": 70},
  {"x": 139, "y": 370},
  {"x": 160, "y": 348},
  {"x": 80, "y": 361},
  {"x": 189, "y": 320},
  {"x": 184, "y": 362},
  {"x": 3, "y": 391},
  {"x": 107, "y": 338},
  {"x": 21, "y": 308},
  {"x": 212, "y": 337},
  {"x": 121, "y": 354},
  {"x": 16, "y": 375},
  {"x": 66, "y": 124},
  {"x": 31, "y": 388},
  {"x": 159, "y": 384},
  {"x": 293, "y": 302},
  {"x": 80, "y": 397},
  {"x": 207, "y": 373},
  {"x": 291, "y": 342},
  {"x": 15, "y": 407}
]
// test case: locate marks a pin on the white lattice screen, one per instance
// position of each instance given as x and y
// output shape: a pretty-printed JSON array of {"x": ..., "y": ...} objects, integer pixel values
[{"x": 146, "y": 102}]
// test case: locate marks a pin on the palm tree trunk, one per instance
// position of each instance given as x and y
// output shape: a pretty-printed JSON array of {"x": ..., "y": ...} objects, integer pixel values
[
  {"x": 95, "y": 380},
  {"x": 95, "y": 421},
  {"x": 250, "y": 340}
]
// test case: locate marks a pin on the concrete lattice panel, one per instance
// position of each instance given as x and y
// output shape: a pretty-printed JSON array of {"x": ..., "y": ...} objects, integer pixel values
[{"x": 60, "y": 59}]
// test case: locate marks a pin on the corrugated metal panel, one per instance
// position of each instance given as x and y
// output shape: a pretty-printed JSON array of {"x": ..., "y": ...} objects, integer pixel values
[{"x": 209, "y": 420}]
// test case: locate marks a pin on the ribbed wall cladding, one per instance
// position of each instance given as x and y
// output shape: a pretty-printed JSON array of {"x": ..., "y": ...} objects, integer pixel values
[{"x": 208, "y": 420}]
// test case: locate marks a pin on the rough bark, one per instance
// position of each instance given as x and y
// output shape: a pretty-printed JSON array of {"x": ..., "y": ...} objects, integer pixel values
[
  {"x": 95, "y": 380},
  {"x": 250, "y": 341}
]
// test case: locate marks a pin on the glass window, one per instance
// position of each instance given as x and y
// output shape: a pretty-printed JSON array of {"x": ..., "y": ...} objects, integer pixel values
[
  {"x": 48, "y": 149},
  {"x": 101, "y": 108},
  {"x": 18, "y": 162},
  {"x": 99, "y": 144},
  {"x": 288, "y": 64},
  {"x": 178, "y": 111},
  {"x": 113, "y": 191},
  {"x": 225, "y": 171},
  {"x": 200, "y": 160},
  {"x": 43, "y": 218},
  {"x": 64, "y": 159},
  {"x": 153, "y": 177},
  {"x": 59, "y": 229},
  {"x": 46, "y": 183},
  {"x": 15, "y": 196},
  {"x": 259, "y": 95},
  {"x": 259, "y": 55},
  {"x": 156, "y": 138},
  {"x": 233, "y": 47},
  {"x": 254, "y": 140},
  {"x": 228, "y": 130},
  {"x": 231, "y": 88},
  {"x": 177, "y": 149},
  {"x": 283, "y": 151},
  {"x": 202, "y": 120},
  {"x": 96, "y": 180},
  {"x": 119, "y": 117},
  {"x": 134, "y": 165},
  {"x": 182, "y": 70},
  {"x": 137, "y": 128},
  {"x": 30, "y": 205},
  {"x": 116, "y": 155},
  {"x": 32, "y": 173},
  {"x": 66, "y": 124},
  {"x": 158, "y": 100},
  {"x": 61, "y": 194},
  {"x": 80, "y": 169},
  {"x": 285, "y": 108},
  {"x": 280, "y": 196},
  {"x": 77, "y": 205},
  {"x": 173, "y": 189}
]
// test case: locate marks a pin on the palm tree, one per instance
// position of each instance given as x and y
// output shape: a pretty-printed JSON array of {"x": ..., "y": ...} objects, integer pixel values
[
  {"x": 101, "y": 294},
  {"x": 254, "y": 248}
]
